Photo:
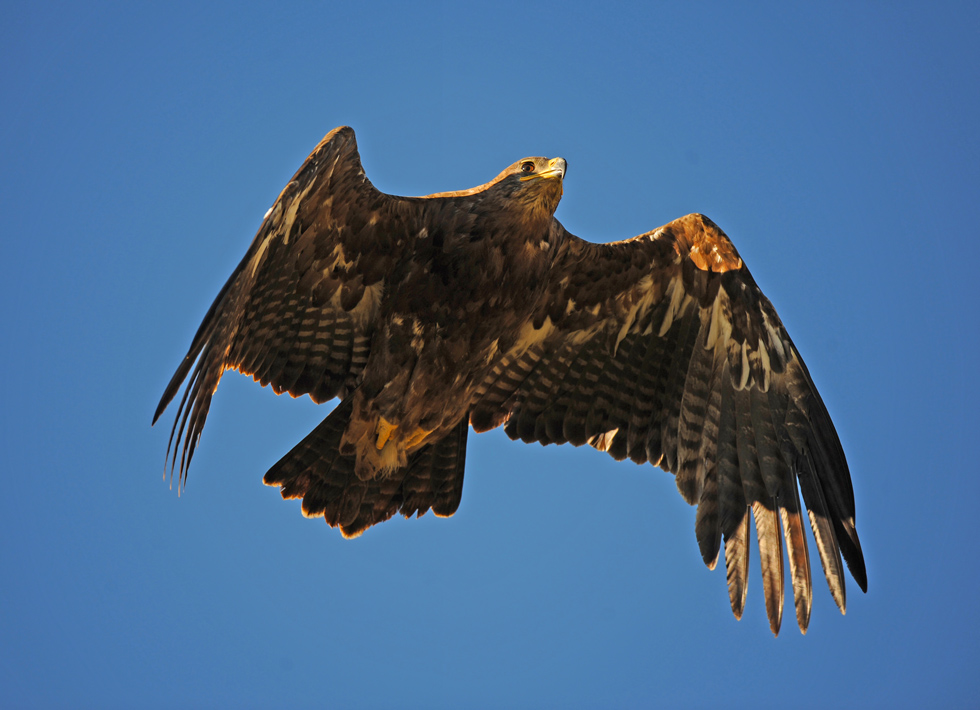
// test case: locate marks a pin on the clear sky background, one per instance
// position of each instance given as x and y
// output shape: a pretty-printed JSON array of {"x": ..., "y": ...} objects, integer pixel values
[{"x": 838, "y": 147}]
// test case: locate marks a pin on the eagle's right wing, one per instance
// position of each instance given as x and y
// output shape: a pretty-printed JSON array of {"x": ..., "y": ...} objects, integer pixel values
[{"x": 299, "y": 310}]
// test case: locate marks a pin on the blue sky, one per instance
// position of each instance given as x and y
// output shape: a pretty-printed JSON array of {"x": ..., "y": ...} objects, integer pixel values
[{"x": 838, "y": 147}]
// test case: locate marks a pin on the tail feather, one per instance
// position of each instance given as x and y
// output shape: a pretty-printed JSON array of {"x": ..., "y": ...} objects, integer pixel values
[{"x": 325, "y": 479}]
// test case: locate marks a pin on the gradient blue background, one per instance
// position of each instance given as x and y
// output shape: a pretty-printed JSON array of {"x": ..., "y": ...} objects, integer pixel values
[{"x": 839, "y": 149}]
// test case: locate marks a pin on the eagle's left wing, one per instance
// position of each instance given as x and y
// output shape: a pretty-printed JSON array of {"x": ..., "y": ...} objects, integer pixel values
[{"x": 662, "y": 348}]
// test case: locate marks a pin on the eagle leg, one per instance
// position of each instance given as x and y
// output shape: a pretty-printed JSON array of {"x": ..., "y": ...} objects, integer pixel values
[{"x": 384, "y": 431}]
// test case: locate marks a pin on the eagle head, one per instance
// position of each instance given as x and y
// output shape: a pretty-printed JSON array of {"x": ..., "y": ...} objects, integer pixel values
[{"x": 537, "y": 182}]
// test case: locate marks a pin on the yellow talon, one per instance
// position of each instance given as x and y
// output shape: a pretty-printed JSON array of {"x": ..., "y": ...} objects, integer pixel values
[
  {"x": 417, "y": 437},
  {"x": 385, "y": 428}
]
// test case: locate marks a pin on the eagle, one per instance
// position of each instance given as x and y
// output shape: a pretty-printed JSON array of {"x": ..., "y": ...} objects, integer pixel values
[{"x": 427, "y": 316}]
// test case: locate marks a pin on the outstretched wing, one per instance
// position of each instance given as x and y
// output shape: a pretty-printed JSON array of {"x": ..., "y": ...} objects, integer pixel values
[
  {"x": 299, "y": 310},
  {"x": 662, "y": 348}
]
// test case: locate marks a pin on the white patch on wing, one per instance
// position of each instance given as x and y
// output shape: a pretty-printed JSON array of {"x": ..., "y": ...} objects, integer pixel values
[
  {"x": 367, "y": 307},
  {"x": 418, "y": 342},
  {"x": 493, "y": 350},
  {"x": 339, "y": 261},
  {"x": 746, "y": 370},
  {"x": 637, "y": 310},
  {"x": 530, "y": 336},
  {"x": 284, "y": 226},
  {"x": 766, "y": 367},
  {"x": 676, "y": 290},
  {"x": 720, "y": 327},
  {"x": 774, "y": 339},
  {"x": 294, "y": 203},
  {"x": 257, "y": 259},
  {"x": 580, "y": 336}
]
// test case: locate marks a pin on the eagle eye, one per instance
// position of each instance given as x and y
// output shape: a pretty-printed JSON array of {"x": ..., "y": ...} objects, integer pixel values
[{"x": 527, "y": 167}]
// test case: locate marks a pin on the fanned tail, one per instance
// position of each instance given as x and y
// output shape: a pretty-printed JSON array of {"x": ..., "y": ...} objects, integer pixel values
[{"x": 317, "y": 472}]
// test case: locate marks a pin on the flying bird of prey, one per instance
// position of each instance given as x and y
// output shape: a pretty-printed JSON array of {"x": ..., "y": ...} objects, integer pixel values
[{"x": 429, "y": 315}]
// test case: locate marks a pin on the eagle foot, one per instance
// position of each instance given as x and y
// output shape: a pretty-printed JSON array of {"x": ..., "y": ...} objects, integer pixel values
[
  {"x": 384, "y": 431},
  {"x": 417, "y": 437}
]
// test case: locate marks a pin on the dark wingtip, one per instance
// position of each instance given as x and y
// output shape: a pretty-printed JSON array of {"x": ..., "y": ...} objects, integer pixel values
[
  {"x": 175, "y": 382},
  {"x": 850, "y": 548},
  {"x": 174, "y": 385},
  {"x": 862, "y": 580},
  {"x": 164, "y": 401},
  {"x": 855, "y": 563}
]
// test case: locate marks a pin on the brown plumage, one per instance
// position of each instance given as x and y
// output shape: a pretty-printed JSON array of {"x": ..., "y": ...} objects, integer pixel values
[{"x": 477, "y": 308}]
